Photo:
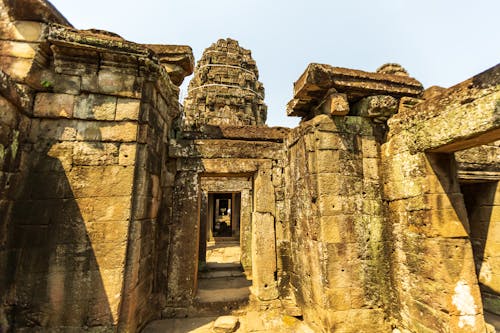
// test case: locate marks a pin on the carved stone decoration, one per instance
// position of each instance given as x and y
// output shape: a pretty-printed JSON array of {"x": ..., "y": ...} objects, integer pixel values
[{"x": 225, "y": 89}]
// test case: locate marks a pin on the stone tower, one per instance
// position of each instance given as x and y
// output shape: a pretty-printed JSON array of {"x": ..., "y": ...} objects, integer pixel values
[{"x": 225, "y": 89}]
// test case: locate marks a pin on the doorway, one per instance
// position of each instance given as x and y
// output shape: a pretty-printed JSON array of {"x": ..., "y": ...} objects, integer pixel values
[
  {"x": 226, "y": 219},
  {"x": 224, "y": 216},
  {"x": 221, "y": 277},
  {"x": 483, "y": 208}
]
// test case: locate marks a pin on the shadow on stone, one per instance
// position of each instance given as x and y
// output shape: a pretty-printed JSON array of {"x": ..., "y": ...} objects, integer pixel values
[{"x": 53, "y": 278}]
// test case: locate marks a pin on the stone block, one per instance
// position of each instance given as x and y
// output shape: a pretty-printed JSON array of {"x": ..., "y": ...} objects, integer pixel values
[
  {"x": 329, "y": 141},
  {"x": 113, "y": 83},
  {"x": 101, "y": 181},
  {"x": 50, "y": 105},
  {"x": 18, "y": 49},
  {"x": 63, "y": 152},
  {"x": 50, "y": 185},
  {"x": 404, "y": 189},
  {"x": 339, "y": 299},
  {"x": 330, "y": 204},
  {"x": 264, "y": 199},
  {"x": 109, "y": 131},
  {"x": 95, "y": 153},
  {"x": 371, "y": 168},
  {"x": 370, "y": 147},
  {"x": 225, "y": 324},
  {"x": 52, "y": 129},
  {"x": 330, "y": 229},
  {"x": 29, "y": 31},
  {"x": 376, "y": 106},
  {"x": 340, "y": 272},
  {"x": 127, "y": 154},
  {"x": 102, "y": 209},
  {"x": 338, "y": 184},
  {"x": 16, "y": 68},
  {"x": 336, "y": 104},
  {"x": 66, "y": 84},
  {"x": 112, "y": 280},
  {"x": 446, "y": 223},
  {"x": 327, "y": 161},
  {"x": 92, "y": 106},
  {"x": 127, "y": 109}
]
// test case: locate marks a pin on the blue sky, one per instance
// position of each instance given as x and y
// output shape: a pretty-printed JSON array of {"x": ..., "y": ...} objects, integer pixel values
[{"x": 439, "y": 42}]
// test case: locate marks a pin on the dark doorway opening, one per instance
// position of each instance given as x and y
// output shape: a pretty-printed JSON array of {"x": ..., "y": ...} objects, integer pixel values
[
  {"x": 224, "y": 216},
  {"x": 480, "y": 202}
]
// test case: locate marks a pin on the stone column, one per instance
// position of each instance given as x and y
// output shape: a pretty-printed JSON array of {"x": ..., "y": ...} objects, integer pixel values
[
  {"x": 183, "y": 265},
  {"x": 246, "y": 229},
  {"x": 264, "y": 237}
]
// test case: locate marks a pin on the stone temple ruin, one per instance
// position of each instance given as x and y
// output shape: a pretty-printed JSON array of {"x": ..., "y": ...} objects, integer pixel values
[{"x": 380, "y": 211}]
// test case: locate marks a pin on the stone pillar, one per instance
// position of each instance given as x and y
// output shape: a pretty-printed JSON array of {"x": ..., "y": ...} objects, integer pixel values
[
  {"x": 204, "y": 225},
  {"x": 264, "y": 237},
  {"x": 246, "y": 229},
  {"x": 183, "y": 265}
]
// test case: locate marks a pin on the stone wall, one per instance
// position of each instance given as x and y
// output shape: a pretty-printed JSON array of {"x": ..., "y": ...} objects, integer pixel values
[
  {"x": 483, "y": 208},
  {"x": 340, "y": 237},
  {"x": 337, "y": 229},
  {"x": 84, "y": 227},
  {"x": 145, "y": 276},
  {"x": 433, "y": 264},
  {"x": 479, "y": 173},
  {"x": 13, "y": 128}
]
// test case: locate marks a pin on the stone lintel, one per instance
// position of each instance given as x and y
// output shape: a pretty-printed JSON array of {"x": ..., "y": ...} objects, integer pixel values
[
  {"x": 224, "y": 148},
  {"x": 91, "y": 50},
  {"x": 248, "y": 133},
  {"x": 235, "y": 167},
  {"x": 478, "y": 176},
  {"x": 35, "y": 10},
  {"x": 177, "y": 59},
  {"x": 98, "y": 40},
  {"x": 312, "y": 86},
  {"x": 465, "y": 115}
]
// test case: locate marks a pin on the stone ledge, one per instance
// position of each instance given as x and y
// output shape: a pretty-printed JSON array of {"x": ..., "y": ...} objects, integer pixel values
[
  {"x": 177, "y": 59},
  {"x": 248, "y": 133},
  {"x": 318, "y": 79}
]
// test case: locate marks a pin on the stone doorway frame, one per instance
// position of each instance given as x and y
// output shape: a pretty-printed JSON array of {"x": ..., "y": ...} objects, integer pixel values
[{"x": 242, "y": 184}]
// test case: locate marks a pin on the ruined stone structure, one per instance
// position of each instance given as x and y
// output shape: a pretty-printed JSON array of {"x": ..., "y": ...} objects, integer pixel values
[
  {"x": 225, "y": 89},
  {"x": 381, "y": 210}
]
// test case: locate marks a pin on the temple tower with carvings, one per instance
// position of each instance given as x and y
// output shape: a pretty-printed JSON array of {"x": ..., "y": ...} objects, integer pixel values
[{"x": 225, "y": 89}]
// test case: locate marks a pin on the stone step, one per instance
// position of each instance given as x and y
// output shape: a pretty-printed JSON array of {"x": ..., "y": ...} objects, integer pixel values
[
  {"x": 225, "y": 266},
  {"x": 220, "y": 274},
  {"x": 224, "y": 283},
  {"x": 219, "y": 296}
]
